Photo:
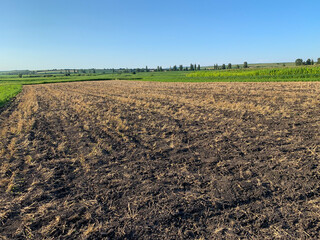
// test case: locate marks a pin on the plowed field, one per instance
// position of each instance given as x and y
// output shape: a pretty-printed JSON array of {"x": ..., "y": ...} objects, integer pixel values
[{"x": 140, "y": 160}]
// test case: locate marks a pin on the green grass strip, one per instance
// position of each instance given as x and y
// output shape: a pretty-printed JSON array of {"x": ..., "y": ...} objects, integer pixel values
[{"x": 7, "y": 92}]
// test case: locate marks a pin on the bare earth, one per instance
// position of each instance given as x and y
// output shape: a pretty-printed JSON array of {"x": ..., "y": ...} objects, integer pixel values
[{"x": 139, "y": 160}]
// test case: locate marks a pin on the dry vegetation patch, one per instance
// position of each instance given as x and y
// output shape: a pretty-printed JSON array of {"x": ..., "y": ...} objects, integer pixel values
[{"x": 140, "y": 160}]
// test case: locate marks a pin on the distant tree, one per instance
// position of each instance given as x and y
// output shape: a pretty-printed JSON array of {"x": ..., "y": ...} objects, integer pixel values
[
  {"x": 20, "y": 75},
  {"x": 223, "y": 66},
  {"x": 312, "y": 62},
  {"x": 147, "y": 70},
  {"x": 161, "y": 69},
  {"x": 186, "y": 69},
  {"x": 299, "y": 62},
  {"x": 191, "y": 67},
  {"x": 308, "y": 62},
  {"x": 238, "y": 66},
  {"x": 180, "y": 68},
  {"x": 245, "y": 65},
  {"x": 175, "y": 68},
  {"x": 198, "y": 67},
  {"x": 318, "y": 61},
  {"x": 229, "y": 66}
]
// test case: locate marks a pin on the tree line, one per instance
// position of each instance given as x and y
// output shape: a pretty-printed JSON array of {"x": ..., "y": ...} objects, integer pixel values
[
  {"x": 193, "y": 67},
  {"x": 197, "y": 67},
  {"x": 229, "y": 66},
  {"x": 300, "y": 62}
]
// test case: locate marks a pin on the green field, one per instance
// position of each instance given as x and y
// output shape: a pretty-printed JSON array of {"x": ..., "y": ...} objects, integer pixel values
[
  {"x": 7, "y": 92},
  {"x": 10, "y": 85},
  {"x": 310, "y": 73}
]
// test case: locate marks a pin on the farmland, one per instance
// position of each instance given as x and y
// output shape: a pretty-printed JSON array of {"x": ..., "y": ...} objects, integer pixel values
[
  {"x": 8, "y": 92},
  {"x": 257, "y": 73},
  {"x": 271, "y": 73},
  {"x": 161, "y": 160}
]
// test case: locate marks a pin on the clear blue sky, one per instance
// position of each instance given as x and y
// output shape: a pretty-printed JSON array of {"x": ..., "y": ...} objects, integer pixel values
[{"x": 43, "y": 34}]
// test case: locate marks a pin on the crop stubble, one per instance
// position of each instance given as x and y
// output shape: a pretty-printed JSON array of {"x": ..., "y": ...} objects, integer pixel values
[{"x": 123, "y": 159}]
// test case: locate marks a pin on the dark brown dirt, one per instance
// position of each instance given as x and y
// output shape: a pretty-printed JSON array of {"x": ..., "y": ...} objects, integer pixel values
[{"x": 138, "y": 160}]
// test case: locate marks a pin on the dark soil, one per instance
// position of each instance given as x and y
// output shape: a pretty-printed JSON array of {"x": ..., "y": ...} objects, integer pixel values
[{"x": 139, "y": 160}]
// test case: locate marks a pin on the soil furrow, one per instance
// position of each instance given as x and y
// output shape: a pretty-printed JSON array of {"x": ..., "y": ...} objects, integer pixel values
[{"x": 140, "y": 160}]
